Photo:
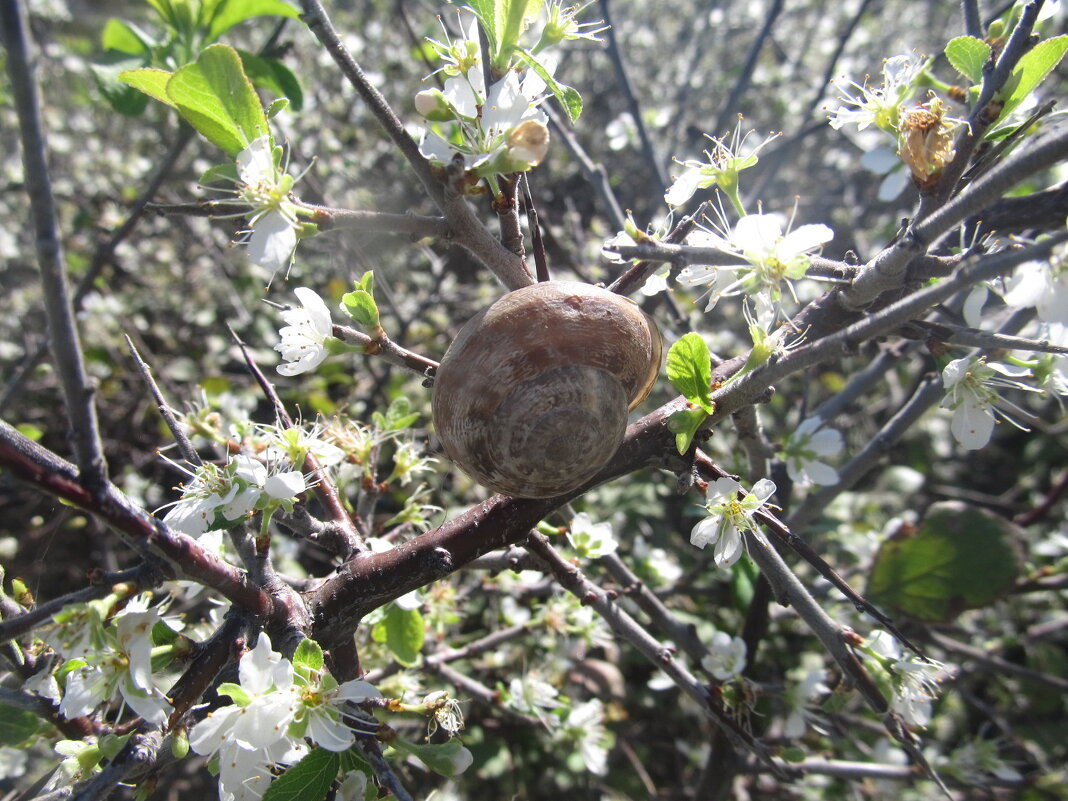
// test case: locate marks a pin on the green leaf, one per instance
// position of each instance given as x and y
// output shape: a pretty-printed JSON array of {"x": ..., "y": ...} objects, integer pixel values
[
  {"x": 220, "y": 174},
  {"x": 17, "y": 725},
  {"x": 152, "y": 82},
  {"x": 308, "y": 780},
  {"x": 511, "y": 16},
  {"x": 405, "y": 631},
  {"x": 968, "y": 55},
  {"x": 238, "y": 694},
  {"x": 107, "y": 71},
  {"x": 274, "y": 76},
  {"x": 569, "y": 98},
  {"x": 445, "y": 758},
  {"x": 229, "y": 13},
  {"x": 689, "y": 369},
  {"x": 398, "y": 416},
  {"x": 360, "y": 303},
  {"x": 961, "y": 557},
  {"x": 216, "y": 97},
  {"x": 1031, "y": 71},
  {"x": 684, "y": 424},
  {"x": 126, "y": 38},
  {"x": 492, "y": 22},
  {"x": 309, "y": 655}
]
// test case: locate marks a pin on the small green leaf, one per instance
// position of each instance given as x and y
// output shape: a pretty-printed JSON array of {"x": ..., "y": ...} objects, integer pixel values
[
  {"x": 126, "y": 38},
  {"x": 398, "y": 416},
  {"x": 968, "y": 55},
  {"x": 405, "y": 631},
  {"x": 961, "y": 557},
  {"x": 220, "y": 174},
  {"x": 17, "y": 725},
  {"x": 1031, "y": 70},
  {"x": 569, "y": 98},
  {"x": 689, "y": 369},
  {"x": 216, "y": 97},
  {"x": 684, "y": 424},
  {"x": 108, "y": 70},
  {"x": 309, "y": 655},
  {"x": 230, "y": 12},
  {"x": 360, "y": 303},
  {"x": 308, "y": 780},
  {"x": 30, "y": 431},
  {"x": 152, "y": 82},
  {"x": 447, "y": 759}
]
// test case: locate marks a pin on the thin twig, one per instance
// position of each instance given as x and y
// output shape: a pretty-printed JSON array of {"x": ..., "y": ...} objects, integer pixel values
[
  {"x": 185, "y": 447},
  {"x": 652, "y": 158},
  {"x": 324, "y": 488}
]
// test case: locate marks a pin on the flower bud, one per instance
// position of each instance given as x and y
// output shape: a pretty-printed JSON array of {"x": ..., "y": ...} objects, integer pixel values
[
  {"x": 432, "y": 105},
  {"x": 528, "y": 142}
]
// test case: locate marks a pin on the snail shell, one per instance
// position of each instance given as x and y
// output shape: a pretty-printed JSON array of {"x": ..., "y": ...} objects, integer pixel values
[{"x": 531, "y": 399}]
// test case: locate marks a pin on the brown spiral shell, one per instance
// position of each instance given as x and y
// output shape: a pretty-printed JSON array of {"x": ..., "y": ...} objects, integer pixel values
[{"x": 531, "y": 399}]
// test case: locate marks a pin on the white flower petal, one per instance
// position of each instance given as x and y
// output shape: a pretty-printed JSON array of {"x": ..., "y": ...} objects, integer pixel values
[{"x": 273, "y": 240}]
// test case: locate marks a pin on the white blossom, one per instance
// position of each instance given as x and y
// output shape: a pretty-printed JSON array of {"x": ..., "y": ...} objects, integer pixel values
[
  {"x": 726, "y": 656},
  {"x": 273, "y": 222},
  {"x": 591, "y": 540},
  {"x": 805, "y": 449},
  {"x": 584, "y": 725},
  {"x": 865, "y": 106},
  {"x": 308, "y": 327},
  {"x": 971, "y": 392},
  {"x": 729, "y": 516},
  {"x": 915, "y": 682}
]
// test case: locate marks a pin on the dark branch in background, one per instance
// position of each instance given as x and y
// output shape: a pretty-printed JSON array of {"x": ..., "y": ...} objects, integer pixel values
[
  {"x": 84, "y": 432},
  {"x": 594, "y": 173},
  {"x": 729, "y": 109},
  {"x": 656, "y": 166},
  {"x": 973, "y": 25}
]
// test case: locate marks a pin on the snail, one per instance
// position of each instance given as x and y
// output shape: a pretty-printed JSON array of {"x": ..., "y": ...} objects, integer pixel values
[{"x": 531, "y": 399}]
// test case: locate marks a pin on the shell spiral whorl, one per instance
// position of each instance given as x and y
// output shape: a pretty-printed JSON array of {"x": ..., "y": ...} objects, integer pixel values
[{"x": 531, "y": 399}]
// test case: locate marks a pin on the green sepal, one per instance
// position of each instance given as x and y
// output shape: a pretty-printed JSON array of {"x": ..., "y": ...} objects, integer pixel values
[
  {"x": 220, "y": 174},
  {"x": 689, "y": 369}
]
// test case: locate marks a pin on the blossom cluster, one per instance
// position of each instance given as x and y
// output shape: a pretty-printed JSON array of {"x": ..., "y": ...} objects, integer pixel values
[
  {"x": 495, "y": 129},
  {"x": 277, "y": 706}
]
